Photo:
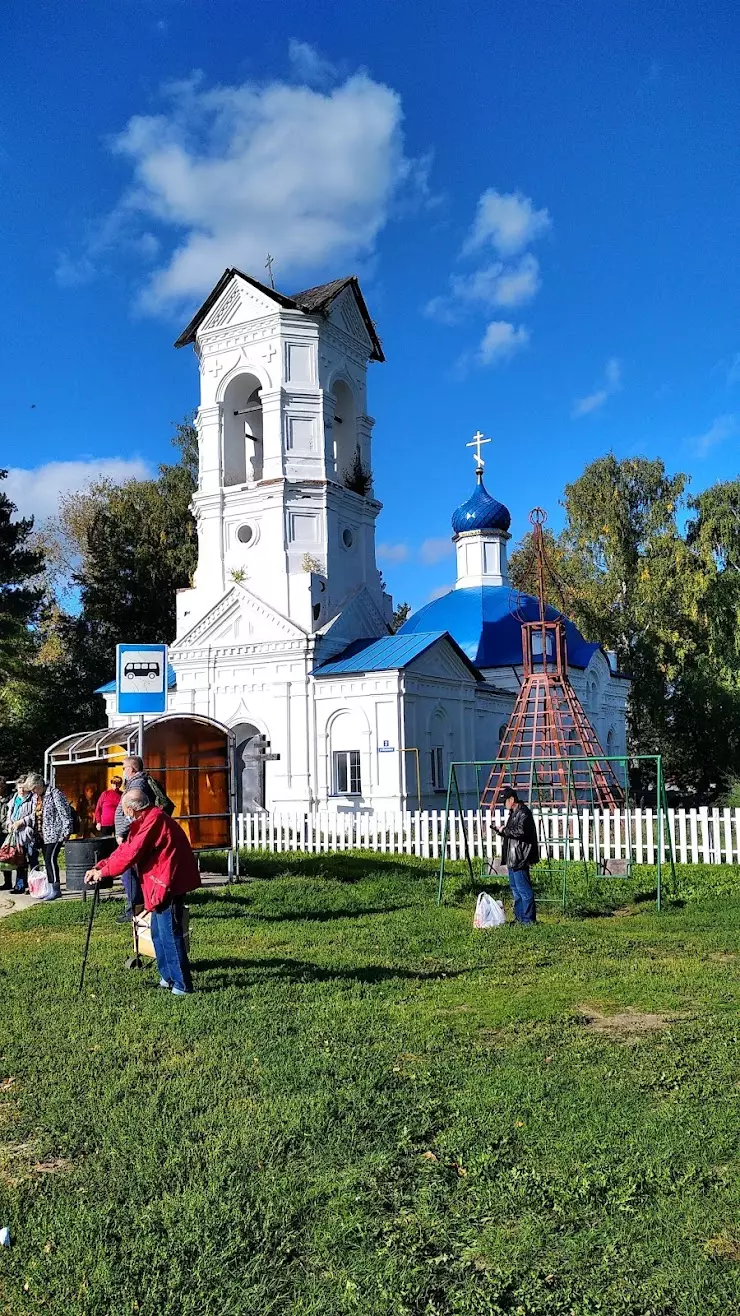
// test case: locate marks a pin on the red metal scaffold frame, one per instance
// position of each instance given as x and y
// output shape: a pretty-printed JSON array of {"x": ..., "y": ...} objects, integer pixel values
[{"x": 549, "y": 742}]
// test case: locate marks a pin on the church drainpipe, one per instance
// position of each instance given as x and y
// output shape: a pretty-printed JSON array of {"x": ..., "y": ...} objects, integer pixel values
[
  {"x": 311, "y": 740},
  {"x": 401, "y": 703}
]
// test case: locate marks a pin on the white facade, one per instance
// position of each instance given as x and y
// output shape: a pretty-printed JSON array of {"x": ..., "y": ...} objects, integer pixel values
[{"x": 287, "y": 577}]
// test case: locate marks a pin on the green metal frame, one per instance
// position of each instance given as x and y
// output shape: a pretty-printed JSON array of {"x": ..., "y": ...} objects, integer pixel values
[{"x": 664, "y": 837}]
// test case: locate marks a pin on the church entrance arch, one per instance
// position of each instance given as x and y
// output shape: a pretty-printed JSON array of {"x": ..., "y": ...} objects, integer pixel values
[{"x": 250, "y": 769}]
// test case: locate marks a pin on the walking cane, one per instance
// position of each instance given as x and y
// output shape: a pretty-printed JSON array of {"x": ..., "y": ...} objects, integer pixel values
[{"x": 96, "y": 894}]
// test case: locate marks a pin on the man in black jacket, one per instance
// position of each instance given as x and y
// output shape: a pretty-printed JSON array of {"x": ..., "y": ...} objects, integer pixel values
[{"x": 520, "y": 851}]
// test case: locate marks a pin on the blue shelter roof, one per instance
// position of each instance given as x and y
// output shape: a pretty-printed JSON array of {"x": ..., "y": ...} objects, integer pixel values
[
  {"x": 485, "y": 620},
  {"x": 386, "y": 654},
  {"x": 110, "y": 686}
]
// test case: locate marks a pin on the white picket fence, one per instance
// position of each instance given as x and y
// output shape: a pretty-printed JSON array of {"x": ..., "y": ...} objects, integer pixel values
[{"x": 707, "y": 836}]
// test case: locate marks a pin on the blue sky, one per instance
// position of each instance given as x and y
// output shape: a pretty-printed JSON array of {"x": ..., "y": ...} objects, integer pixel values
[{"x": 541, "y": 202}]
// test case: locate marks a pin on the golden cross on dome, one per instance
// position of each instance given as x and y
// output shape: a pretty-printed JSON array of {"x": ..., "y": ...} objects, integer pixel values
[{"x": 477, "y": 443}]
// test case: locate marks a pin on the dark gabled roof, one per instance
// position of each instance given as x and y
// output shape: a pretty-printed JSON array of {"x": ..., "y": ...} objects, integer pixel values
[
  {"x": 313, "y": 301},
  {"x": 188, "y": 334},
  {"x": 317, "y": 300}
]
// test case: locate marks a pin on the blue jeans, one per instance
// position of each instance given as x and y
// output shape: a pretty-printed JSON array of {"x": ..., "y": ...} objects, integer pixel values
[
  {"x": 169, "y": 943},
  {"x": 132, "y": 887},
  {"x": 521, "y": 887}
]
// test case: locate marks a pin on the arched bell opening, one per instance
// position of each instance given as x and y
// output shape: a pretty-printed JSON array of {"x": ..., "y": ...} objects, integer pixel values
[{"x": 242, "y": 431}]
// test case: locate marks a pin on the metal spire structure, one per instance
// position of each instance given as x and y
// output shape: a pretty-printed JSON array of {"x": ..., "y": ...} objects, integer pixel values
[{"x": 550, "y": 753}]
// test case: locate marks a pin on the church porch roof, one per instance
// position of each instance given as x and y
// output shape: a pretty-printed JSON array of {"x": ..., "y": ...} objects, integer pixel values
[{"x": 390, "y": 653}]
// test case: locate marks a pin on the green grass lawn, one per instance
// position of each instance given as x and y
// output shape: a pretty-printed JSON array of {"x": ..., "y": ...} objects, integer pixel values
[{"x": 367, "y": 1107}]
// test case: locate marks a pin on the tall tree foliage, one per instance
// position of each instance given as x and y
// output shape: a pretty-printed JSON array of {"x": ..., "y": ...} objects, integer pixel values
[
  {"x": 659, "y": 597},
  {"x": 21, "y": 599},
  {"x": 122, "y": 551},
  {"x": 20, "y": 595}
]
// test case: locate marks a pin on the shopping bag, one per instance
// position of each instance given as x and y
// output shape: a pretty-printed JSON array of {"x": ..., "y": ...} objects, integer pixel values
[
  {"x": 39, "y": 884},
  {"x": 12, "y": 856},
  {"x": 489, "y": 913}
]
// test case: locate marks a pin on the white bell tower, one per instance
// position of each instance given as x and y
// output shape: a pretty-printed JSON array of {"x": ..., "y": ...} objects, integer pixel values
[{"x": 284, "y": 505}]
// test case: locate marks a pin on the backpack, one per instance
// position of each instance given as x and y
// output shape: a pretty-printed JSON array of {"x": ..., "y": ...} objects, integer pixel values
[{"x": 161, "y": 800}]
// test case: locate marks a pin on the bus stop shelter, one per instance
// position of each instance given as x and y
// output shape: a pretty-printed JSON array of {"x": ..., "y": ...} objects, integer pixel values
[{"x": 192, "y": 758}]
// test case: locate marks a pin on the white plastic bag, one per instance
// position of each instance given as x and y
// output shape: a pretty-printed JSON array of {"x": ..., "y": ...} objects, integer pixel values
[
  {"x": 39, "y": 884},
  {"x": 489, "y": 913}
]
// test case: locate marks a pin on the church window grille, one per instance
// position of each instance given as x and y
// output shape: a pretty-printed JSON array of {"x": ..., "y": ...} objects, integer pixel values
[
  {"x": 438, "y": 768},
  {"x": 347, "y": 777}
]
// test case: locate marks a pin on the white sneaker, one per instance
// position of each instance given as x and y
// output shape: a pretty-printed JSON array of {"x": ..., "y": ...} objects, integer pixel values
[{"x": 164, "y": 983}]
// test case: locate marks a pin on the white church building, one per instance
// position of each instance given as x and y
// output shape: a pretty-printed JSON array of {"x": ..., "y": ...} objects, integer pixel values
[{"x": 285, "y": 632}]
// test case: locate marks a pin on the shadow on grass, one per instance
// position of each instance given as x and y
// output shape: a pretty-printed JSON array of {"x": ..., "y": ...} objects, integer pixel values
[
  {"x": 243, "y": 973},
  {"x": 336, "y": 865},
  {"x": 234, "y": 907}
]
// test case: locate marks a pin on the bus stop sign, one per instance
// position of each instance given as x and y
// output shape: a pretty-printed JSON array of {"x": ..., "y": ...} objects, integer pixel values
[{"x": 141, "y": 678}]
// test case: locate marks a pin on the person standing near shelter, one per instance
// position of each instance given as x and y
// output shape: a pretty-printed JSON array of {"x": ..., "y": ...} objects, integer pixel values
[
  {"x": 161, "y": 851},
  {"x": 520, "y": 851},
  {"x": 134, "y": 778},
  {"x": 107, "y": 807},
  {"x": 54, "y": 827},
  {"x": 22, "y": 833}
]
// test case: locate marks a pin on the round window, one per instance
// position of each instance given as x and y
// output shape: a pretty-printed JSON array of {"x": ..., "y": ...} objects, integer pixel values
[
  {"x": 245, "y": 534},
  {"x": 348, "y": 538}
]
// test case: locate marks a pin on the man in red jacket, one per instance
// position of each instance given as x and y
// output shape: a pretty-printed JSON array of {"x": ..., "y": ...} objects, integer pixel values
[{"x": 167, "y": 869}]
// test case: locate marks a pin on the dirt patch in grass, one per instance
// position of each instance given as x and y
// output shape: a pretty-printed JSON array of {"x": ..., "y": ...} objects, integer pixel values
[
  {"x": 627, "y": 1023},
  {"x": 725, "y": 1246},
  {"x": 723, "y": 956},
  {"x": 18, "y": 1162}
]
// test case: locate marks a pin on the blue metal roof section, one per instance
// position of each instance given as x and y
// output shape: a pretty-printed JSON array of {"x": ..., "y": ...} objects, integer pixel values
[
  {"x": 481, "y": 511},
  {"x": 388, "y": 654},
  {"x": 109, "y": 687},
  {"x": 482, "y": 620}
]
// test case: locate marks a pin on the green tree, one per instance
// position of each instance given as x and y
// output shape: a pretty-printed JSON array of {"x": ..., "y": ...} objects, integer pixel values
[
  {"x": 121, "y": 552},
  {"x": 21, "y": 598},
  {"x": 20, "y": 594},
  {"x": 400, "y": 613},
  {"x": 136, "y": 545},
  {"x": 629, "y": 577}
]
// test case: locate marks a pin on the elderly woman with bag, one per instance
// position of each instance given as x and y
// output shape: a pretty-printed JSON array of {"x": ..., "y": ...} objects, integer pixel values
[
  {"x": 21, "y": 847},
  {"x": 55, "y": 818}
]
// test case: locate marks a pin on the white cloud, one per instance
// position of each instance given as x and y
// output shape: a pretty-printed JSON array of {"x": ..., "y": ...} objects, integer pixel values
[
  {"x": 724, "y": 427},
  {"x": 491, "y": 285},
  {"x": 309, "y": 65},
  {"x": 439, "y": 592},
  {"x": 393, "y": 552},
  {"x": 501, "y": 340},
  {"x": 611, "y": 385},
  {"x": 36, "y": 490},
  {"x": 434, "y": 550},
  {"x": 507, "y": 221},
  {"x": 228, "y": 173}
]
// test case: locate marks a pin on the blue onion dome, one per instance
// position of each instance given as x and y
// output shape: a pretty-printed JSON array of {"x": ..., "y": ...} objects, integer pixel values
[{"x": 481, "y": 511}]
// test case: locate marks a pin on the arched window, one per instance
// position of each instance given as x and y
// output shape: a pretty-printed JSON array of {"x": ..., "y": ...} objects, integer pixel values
[
  {"x": 344, "y": 430},
  {"x": 242, "y": 410},
  {"x": 345, "y": 736},
  {"x": 437, "y": 756}
]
